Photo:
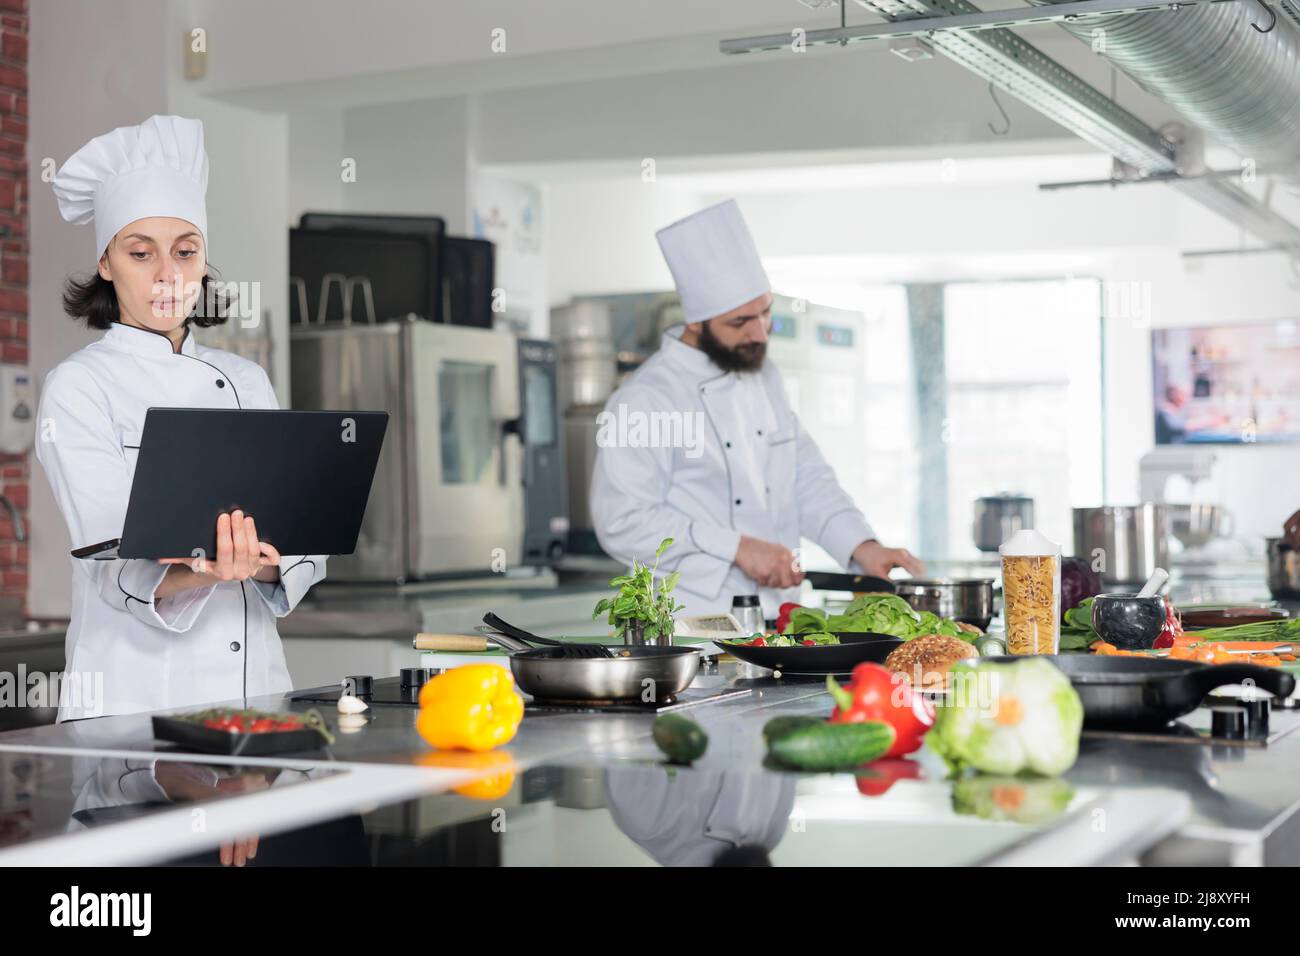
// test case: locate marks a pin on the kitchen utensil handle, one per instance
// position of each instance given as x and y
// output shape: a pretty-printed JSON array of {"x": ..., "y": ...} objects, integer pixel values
[
  {"x": 509, "y": 643},
  {"x": 449, "y": 642},
  {"x": 518, "y": 633},
  {"x": 1277, "y": 682},
  {"x": 1154, "y": 583},
  {"x": 835, "y": 581}
]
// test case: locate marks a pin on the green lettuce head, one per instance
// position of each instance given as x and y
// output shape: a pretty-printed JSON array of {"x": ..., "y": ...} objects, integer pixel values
[{"x": 1022, "y": 717}]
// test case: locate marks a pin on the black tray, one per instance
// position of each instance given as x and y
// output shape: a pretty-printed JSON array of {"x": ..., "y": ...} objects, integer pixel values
[
  {"x": 854, "y": 648},
  {"x": 208, "y": 740}
]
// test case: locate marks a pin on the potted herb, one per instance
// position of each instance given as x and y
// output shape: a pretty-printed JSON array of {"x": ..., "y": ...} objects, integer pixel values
[{"x": 643, "y": 608}]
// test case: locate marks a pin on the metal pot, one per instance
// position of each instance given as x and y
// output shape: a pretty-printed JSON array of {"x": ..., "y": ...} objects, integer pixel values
[
  {"x": 969, "y": 600},
  {"x": 998, "y": 517},
  {"x": 1131, "y": 540},
  {"x": 1197, "y": 525},
  {"x": 1283, "y": 569}
]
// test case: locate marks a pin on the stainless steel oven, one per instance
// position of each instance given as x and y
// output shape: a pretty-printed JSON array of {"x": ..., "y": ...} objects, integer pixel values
[{"x": 449, "y": 495}]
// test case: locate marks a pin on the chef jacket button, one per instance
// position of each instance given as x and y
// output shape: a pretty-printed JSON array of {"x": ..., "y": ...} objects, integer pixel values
[
  {"x": 760, "y": 431},
  {"x": 222, "y": 384},
  {"x": 728, "y": 444},
  {"x": 737, "y": 501},
  {"x": 234, "y": 645}
]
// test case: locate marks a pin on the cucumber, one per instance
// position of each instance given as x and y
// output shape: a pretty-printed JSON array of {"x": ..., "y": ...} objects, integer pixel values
[
  {"x": 831, "y": 746},
  {"x": 682, "y": 740},
  {"x": 780, "y": 726}
]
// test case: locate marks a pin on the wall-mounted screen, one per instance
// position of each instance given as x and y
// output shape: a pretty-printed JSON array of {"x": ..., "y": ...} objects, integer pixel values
[{"x": 1227, "y": 384}]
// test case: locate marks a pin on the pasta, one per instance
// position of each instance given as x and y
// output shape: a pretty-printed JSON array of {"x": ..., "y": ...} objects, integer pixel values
[{"x": 1029, "y": 594}]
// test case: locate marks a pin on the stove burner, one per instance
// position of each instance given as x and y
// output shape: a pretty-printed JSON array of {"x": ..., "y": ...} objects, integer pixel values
[{"x": 1222, "y": 721}]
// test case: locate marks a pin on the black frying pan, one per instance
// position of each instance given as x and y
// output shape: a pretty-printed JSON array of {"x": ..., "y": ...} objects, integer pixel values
[
  {"x": 841, "y": 658},
  {"x": 1152, "y": 691}
]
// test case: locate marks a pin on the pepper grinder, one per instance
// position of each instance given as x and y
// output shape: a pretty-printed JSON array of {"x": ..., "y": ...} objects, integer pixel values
[{"x": 748, "y": 612}]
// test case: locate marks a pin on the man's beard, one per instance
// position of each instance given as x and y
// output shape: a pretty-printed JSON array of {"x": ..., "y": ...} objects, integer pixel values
[{"x": 743, "y": 358}]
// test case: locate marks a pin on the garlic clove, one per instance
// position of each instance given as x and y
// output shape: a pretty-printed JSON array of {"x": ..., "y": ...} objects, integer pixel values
[{"x": 351, "y": 705}]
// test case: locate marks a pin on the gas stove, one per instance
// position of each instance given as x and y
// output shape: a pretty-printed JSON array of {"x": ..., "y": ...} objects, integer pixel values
[{"x": 1226, "y": 721}]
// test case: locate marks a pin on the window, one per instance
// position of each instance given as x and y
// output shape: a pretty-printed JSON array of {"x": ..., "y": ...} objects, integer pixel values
[
  {"x": 1023, "y": 370},
  {"x": 951, "y": 392}
]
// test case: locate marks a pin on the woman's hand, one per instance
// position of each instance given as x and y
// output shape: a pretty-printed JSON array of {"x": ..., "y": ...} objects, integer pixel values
[{"x": 240, "y": 555}]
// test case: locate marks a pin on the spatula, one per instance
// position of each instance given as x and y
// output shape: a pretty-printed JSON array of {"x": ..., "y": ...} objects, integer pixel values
[{"x": 565, "y": 648}]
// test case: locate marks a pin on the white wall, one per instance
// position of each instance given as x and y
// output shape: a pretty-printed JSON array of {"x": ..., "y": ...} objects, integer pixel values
[
  {"x": 411, "y": 158},
  {"x": 315, "y": 153},
  {"x": 601, "y": 235}
]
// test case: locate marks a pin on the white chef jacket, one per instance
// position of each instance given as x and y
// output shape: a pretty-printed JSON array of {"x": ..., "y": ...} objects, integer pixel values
[
  {"x": 198, "y": 646},
  {"x": 746, "y": 467}
]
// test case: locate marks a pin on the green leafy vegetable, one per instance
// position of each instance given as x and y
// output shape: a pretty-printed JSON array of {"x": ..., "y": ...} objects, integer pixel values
[
  {"x": 1009, "y": 719},
  {"x": 1285, "y": 630},
  {"x": 643, "y": 600},
  {"x": 878, "y": 613}
]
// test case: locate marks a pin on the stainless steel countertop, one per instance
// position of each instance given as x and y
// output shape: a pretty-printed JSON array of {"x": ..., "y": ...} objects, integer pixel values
[
  {"x": 1226, "y": 804},
  {"x": 386, "y": 762}
]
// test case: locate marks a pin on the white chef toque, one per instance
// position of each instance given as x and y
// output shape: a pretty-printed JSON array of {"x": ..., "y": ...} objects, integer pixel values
[
  {"x": 158, "y": 168},
  {"x": 713, "y": 260}
]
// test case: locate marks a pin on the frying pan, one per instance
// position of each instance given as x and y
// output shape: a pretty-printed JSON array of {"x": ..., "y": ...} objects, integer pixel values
[
  {"x": 1152, "y": 691},
  {"x": 545, "y": 673},
  {"x": 853, "y": 649}
]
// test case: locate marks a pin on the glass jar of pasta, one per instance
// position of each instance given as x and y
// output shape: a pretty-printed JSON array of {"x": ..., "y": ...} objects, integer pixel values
[{"x": 1031, "y": 593}]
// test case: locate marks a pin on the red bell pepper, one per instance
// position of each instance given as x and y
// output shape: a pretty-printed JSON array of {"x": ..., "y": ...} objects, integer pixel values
[{"x": 874, "y": 694}]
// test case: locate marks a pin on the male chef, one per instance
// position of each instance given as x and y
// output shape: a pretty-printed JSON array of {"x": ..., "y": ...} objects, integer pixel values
[{"x": 701, "y": 444}]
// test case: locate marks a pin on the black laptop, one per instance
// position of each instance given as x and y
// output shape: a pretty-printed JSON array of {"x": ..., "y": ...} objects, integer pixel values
[{"x": 304, "y": 476}]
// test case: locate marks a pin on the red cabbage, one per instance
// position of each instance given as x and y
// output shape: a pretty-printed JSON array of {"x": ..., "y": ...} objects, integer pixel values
[{"x": 1078, "y": 581}]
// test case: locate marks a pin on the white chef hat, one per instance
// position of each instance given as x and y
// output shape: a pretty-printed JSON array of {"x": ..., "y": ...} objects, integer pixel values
[
  {"x": 158, "y": 168},
  {"x": 713, "y": 260}
]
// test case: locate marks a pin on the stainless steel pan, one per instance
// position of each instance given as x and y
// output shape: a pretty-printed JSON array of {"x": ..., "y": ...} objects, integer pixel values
[
  {"x": 969, "y": 600},
  {"x": 651, "y": 674}
]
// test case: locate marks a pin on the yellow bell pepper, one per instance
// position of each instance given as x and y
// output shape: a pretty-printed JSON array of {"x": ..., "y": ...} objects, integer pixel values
[{"x": 473, "y": 707}]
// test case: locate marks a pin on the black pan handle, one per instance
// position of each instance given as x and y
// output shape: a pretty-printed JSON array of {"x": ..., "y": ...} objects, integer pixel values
[
  {"x": 832, "y": 581},
  {"x": 518, "y": 633},
  {"x": 1277, "y": 682}
]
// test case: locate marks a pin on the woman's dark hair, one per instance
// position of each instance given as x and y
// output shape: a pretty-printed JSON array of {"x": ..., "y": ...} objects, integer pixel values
[{"x": 94, "y": 299}]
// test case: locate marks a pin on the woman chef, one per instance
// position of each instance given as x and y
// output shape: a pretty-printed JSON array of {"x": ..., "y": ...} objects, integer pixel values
[
  {"x": 737, "y": 498},
  {"x": 147, "y": 635}
]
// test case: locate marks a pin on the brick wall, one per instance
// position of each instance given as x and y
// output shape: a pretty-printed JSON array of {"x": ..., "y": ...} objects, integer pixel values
[{"x": 14, "y": 469}]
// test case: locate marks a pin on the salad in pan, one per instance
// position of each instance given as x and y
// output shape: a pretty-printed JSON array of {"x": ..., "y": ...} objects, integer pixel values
[{"x": 874, "y": 613}]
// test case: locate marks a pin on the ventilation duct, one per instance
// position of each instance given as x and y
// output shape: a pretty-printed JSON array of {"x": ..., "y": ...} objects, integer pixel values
[{"x": 1212, "y": 64}]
